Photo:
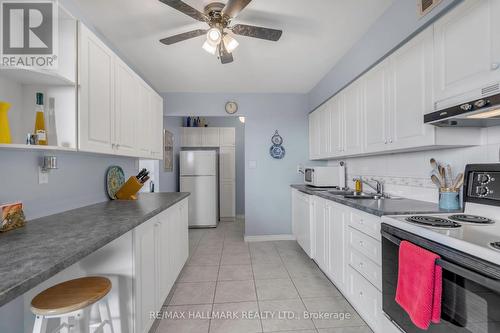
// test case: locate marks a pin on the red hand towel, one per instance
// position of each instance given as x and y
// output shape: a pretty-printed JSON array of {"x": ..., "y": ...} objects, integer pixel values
[{"x": 419, "y": 285}]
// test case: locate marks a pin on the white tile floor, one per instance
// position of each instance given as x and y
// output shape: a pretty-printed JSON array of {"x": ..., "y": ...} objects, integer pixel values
[{"x": 237, "y": 281}]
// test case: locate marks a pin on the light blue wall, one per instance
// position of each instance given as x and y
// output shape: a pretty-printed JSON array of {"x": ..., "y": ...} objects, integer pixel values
[
  {"x": 79, "y": 181},
  {"x": 267, "y": 191},
  {"x": 397, "y": 25}
]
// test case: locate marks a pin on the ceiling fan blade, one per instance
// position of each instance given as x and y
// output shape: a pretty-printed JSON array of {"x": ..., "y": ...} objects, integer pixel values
[
  {"x": 186, "y": 9},
  {"x": 234, "y": 7},
  {"x": 184, "y": 36},
  {"x": 257, "y": 32},
  {"x": 225, "y": 57}
]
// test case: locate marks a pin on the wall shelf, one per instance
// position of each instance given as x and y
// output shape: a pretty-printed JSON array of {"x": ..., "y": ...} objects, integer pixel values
[
  {"x": 35, "y": 76},
  {"x": 35, "y": 147}
]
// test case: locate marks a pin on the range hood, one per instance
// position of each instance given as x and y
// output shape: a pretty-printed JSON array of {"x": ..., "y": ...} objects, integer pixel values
[{"x": 484, "y": 112}]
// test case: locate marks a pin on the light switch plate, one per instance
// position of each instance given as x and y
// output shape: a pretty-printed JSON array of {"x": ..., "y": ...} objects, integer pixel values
[{"x": 43, "y": 177}]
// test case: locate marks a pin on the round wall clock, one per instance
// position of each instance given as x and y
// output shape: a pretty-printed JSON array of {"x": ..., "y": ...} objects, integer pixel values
[{"x": 231, "y": 107}]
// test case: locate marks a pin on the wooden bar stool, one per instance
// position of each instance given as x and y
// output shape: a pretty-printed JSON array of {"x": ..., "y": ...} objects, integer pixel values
[{"x": 69, "y": 300}]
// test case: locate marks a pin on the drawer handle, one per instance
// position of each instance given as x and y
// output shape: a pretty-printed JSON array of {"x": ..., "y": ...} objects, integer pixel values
[
  {"x": 361, "y": 294},
  {"x": 361, "y": 243}
]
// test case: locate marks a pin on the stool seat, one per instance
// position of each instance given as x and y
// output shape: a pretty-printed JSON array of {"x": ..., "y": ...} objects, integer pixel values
[{"x": 70, "y": 296}]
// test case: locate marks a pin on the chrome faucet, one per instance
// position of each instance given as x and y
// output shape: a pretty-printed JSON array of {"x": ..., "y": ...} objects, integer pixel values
[{"x": 379, "y": 186}]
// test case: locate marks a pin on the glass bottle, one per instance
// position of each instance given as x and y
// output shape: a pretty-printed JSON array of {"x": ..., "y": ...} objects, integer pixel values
[{"x": 40, "y": 130}]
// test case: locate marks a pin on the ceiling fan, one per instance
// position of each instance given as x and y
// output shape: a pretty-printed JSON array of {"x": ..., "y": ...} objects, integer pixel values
[{"x": 218, "y": 16}]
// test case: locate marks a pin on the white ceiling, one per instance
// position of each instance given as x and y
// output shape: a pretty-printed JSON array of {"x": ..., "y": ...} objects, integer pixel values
[{"x": 317, "y": 33}]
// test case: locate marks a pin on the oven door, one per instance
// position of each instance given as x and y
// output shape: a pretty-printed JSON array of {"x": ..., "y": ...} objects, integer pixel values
[
  {"x": 309, "y": 176},
  {"x": 470, "y": 300}
]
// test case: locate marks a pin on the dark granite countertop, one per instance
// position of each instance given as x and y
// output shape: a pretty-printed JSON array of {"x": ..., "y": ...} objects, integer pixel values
[
  {"x": 46, "y": 246},
  {"x": 398, "y": 206}
]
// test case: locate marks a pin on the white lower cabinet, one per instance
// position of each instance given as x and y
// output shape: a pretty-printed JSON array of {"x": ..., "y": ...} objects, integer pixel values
[
  {"x": 337, "y": 215},
  {"x": 160, "y": 252},
  {"x": 321, "y": 225},
  {"x": 347, "y": 248},
  {"x": 366, "y": 299},
  {"x": 302, "y": 220}
]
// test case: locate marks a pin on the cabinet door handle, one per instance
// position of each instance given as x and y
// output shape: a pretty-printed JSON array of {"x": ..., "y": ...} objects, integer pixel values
[{"x": 361, "y": 243}]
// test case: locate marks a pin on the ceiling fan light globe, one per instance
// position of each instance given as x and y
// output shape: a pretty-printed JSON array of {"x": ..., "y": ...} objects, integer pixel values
[
  {"x": 214, "y": 36},
  {"x": 212, "y": 49},
  {"x": 230, "y": 43}
]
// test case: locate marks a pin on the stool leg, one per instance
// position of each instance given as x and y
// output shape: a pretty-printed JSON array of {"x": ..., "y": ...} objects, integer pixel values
[
  {"x": 80, "y": 321},
  {"x": 40, "y": 325},
  {"x": 64, "y": 324},
  {"x": 105, "y": 315}
]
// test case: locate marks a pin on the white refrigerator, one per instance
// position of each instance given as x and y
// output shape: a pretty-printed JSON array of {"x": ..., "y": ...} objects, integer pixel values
[{"x": 198, "y": 175}]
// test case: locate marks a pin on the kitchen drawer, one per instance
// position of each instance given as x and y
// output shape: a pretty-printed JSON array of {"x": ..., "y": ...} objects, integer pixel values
[
  {"x": 370, "y": 270},
  {"x": 366, "y": 223},
  {"x": 366, "y": 299},
  {"x": 366, "y": 245}
]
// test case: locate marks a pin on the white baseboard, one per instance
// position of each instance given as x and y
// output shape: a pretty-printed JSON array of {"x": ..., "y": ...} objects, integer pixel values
[{"x": 268, "y": 238}]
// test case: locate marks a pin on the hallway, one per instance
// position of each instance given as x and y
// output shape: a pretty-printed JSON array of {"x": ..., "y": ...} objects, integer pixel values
[{"x": 236, "y": 287}]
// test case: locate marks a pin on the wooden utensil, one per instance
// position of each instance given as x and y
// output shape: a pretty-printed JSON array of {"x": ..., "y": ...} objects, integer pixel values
[
  {"x": 442, "y": 174},
  {"x": 459, "y": 181},
  {"x": 434, "y": 164},
  {"x": 437, "y": 181},
  {"x": 449, "y": 174}
]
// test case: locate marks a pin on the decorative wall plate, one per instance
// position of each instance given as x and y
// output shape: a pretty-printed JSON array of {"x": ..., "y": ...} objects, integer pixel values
[
  {"x": 277, "y": 139},
  {"x": 115, "y": 178},
  {"x": 277, "y": 152}
]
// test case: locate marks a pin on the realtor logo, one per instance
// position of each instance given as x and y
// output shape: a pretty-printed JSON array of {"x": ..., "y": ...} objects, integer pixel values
[{"x": 29, "y": 33}]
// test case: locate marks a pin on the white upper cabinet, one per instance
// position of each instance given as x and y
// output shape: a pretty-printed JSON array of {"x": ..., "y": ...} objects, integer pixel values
[
  {"x": 411, "y": 69},
  {"x": 227, "y": 136},
  {"x": 376, "y": 113},
  {"x": 352, "y": 129},
  {"x": 383, "y": 111},
  {"x": 335, "y": 126},
  {"x": 211, "y": 137},
  {"x": 314, "y": 134},
  {"x": 144, "y": 121},
  {"x": 118, "y": 112},
  {"x": 208, "y": 137},
  {"x": 324, "y": 130},
  {"x": 96, "y": 91},
  {"x": 467, "y": 57},
  {"x": 155, "y": 136},
  {"x": 126, "y": 110},
  {"x": 192, "y": 137}
]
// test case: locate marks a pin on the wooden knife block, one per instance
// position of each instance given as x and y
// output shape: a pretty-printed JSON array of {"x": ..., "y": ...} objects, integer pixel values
[{"x": 129, "y": 190}]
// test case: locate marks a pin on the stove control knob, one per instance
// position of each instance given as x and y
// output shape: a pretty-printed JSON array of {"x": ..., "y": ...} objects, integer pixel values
[
  {"x": 483, "y": 178},
  {"x": 482, "y": 191}
]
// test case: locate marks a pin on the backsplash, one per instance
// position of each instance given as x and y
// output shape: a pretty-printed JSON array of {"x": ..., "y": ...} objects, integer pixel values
[{"x": 408, "y": 174}]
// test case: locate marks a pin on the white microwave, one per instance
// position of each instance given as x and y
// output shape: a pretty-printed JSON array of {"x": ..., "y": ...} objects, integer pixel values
[{"x": 331, "y": 176}]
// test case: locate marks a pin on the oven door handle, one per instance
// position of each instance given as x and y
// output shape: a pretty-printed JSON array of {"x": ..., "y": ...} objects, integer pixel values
[{"x": 480, "y": 279}]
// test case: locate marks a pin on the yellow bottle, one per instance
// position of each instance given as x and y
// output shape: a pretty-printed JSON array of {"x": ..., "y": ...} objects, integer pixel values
[
  {"x": 4, "y": 123},
  {"x": 358, "y": 186},
  {"x": 40, "y": 130}
]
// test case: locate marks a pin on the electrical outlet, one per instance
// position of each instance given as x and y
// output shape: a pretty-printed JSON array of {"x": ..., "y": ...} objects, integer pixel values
[
  {"x": 43, "y": 177},
  {"x": 300, "y": 168}
]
